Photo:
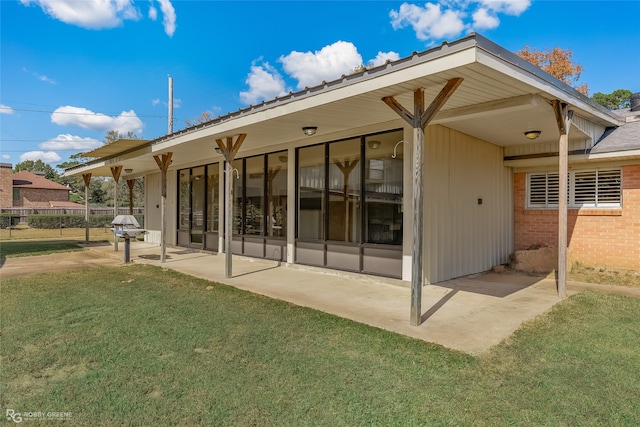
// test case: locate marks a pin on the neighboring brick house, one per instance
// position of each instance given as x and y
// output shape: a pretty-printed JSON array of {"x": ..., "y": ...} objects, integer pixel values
[
  {"x": 6, "y": 185},
  {"x": 604, "y": 201},
  {"x": 34, "y": 190}
]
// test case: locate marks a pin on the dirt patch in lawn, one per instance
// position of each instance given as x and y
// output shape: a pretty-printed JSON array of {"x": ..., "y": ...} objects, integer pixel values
[
  {"x": 54, "y": 263},
  {"x": 606, "y": 276}
]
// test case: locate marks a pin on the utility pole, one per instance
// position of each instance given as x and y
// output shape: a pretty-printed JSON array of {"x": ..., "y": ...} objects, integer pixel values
[{"x": 170, "y": 104}]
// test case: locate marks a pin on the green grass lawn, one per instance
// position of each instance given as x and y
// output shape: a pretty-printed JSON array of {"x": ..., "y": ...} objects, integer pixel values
[{"x": 139, "y": 345}]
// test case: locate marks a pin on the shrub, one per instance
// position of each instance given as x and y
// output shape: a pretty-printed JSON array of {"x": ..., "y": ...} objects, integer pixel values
[
  {"x": 9, "y": 219},
  {"x": 72, "y": 221}
]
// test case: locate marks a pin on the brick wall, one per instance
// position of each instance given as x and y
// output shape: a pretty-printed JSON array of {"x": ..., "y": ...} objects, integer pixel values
[
  {"x": 6, "y": 185},
  {"x": 31, "y": 197},
  {"x": 597, "y": 237}
]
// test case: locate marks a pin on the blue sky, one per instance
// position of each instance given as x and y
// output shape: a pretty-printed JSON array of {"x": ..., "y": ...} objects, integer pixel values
[{"x": 71, "y": 70}]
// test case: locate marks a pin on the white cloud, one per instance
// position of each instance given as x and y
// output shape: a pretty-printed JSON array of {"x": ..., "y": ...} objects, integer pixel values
[
  {"x": 482, "y": 19},
  {"x": 6, "y": 156},
  {"x": 327, "y": 64},
  {"x": 429, "y": 22},
  {"x": 264, "y": 83},
  {"x": 126, "y": 122},
  {"x": 5, "y": 109},
  {"x": 44, "y": 78},
  {"x": 45, "y": 156},
  {"x": 41, "y": 77},
  {"x": 177, "y": 102},
  {"x": 383, "y": 57},
  {"x": 91, "y": 14},
  {"x": 99, "y": 14},
  {"x": 168, "y": 17},
  {"x": 450, "y": 18},
  {"x": 510, "y": 7},
  {"x": 70, "y": 142},
  {"x": 153, "y": 12}
]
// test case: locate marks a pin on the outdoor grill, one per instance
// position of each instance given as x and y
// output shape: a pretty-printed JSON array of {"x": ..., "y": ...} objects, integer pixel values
[{"x": 126, "y": 226}]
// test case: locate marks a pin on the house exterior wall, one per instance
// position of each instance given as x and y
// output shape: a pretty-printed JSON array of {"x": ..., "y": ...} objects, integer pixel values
[
  {"x": 32, "y": 197},
  {"x": 597, "y": 237},
  {"x": 463, "y": 234},
  {"x": 6, "y": 185},
  {"x": 153, "y": 202},
  {"x": 153, "y": 207}
]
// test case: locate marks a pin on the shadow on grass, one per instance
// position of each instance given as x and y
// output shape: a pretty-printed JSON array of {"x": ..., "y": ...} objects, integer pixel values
[{"x": 21, "y": 248}]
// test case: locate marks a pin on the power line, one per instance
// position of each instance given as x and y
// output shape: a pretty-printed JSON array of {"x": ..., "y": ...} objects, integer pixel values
[{"x": 75, "y": 113}]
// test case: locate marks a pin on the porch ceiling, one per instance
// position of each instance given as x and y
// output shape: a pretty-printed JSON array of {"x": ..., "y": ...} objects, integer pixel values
[{"x": 497, "y": 102}]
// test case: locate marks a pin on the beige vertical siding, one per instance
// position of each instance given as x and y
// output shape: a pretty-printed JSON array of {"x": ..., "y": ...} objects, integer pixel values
[
  {"x": 463, "y": 237},
  {"x": 172, "y": 207},
  {"x": 153, "y": 193}
]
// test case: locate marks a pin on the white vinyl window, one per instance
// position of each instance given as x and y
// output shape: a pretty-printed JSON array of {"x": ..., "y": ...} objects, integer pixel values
[{"x": 595, "y": 188}]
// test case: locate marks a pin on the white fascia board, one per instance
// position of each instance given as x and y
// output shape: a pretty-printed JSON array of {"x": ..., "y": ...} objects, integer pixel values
[
  {"x": 624, "y": 157},
  {"x": 107, "y": 162},
  {"x": 615, "y": 155},
  {"x": 543, "y": 85},
  {"x": 81, "y": 170}
]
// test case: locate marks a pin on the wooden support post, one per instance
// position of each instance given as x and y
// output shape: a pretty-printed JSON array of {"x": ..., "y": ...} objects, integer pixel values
[
  {"x": 115, "y": 172},
  {"x": 564, "y": 116},
  {"x": 86, "y": 177},
  {"x": 346, "y": 170},
  {"x": 229, "y": 149},
  {"x": 131, "y": 183},
  {"x": 163, "y": 161},
  {"x": 271, "y": 221},
  {"x": 419, "y": 120}
]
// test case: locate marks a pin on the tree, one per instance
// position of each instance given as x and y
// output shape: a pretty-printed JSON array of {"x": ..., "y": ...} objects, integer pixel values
[
  {"x": 556, "y": 62},
  {"x": 615, "y": 100},
  {"x": 107, "y": 191},
  {"x": 113, "y": 135},
  {"x": 100, "y": 188},
  {"x": 76, "y": 183},
  {"x": 38, "y": 166},
  {"x": 203, "y": 118}
]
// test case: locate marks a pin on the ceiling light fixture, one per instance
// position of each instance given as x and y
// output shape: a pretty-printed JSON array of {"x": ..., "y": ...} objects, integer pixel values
[
  {"x": 128, "y": 170},
  {"x": 309, "y": 130},
  {"x": 532, "y": 134},
  {"x": 374, "y": 145}
]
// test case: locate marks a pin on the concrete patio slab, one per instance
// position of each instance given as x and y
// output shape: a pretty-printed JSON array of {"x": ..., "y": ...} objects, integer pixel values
[{"x": 469, "y": 314}]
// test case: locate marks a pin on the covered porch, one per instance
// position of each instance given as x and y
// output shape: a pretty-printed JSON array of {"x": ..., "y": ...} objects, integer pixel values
[{"x": 456, "y": 221}]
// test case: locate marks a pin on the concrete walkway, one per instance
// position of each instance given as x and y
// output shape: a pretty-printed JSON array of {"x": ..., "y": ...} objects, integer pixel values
[{"x": 469, "y": 314}]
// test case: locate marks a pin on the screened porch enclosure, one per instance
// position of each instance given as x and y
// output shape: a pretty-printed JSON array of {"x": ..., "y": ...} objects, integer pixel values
[
  {"x": 349, "y": 204},
  {"x": 199, "y": 211},
  {"x": 260, "y": 206},
  {"x": 348, "y": 209}
]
